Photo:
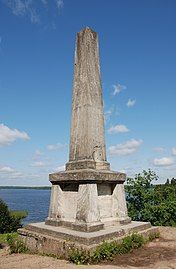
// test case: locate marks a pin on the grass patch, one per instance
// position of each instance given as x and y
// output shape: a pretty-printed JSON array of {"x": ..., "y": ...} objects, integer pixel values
[
  {"x": 4, "y": 237},
  {"x": 18, "y": 214},
  {"x": 107, "y": 250},
  {"x": 153, "y": 236},
  {"x": 16, "y": 245}
]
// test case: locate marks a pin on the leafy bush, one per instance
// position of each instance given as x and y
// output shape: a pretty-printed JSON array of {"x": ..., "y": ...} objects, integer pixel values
[
  {"x": 148, "y": 202},
  {"x": 132, "y": 242},
  {"x": 107, "y": 250},
  {"x": 16, "y": 245},
  {"x": 78, "y": 257},
  {"x": 10, "y": 221},
  {"x": 17, "y": 217},
  {"x": 4, "y": 237},
  {"x": 104, "y": 251}
]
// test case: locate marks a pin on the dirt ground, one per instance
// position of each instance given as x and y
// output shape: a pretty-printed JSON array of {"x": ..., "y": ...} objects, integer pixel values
[{"x": 159, "y": 254}]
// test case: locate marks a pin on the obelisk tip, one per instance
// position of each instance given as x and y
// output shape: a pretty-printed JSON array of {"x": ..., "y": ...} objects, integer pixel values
[{"x": 87, "y": 29}]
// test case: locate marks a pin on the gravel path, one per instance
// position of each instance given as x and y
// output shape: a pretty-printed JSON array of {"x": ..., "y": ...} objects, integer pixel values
[{"x": 160, "y": 254}]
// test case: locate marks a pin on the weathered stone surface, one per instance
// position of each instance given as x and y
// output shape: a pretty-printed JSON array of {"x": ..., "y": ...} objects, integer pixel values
[
  {"x": 63, "y": 204},
  {"x": 87, "y": 213},
  {"x": 87, "y": 206},
  {"x": 44, "y": 238},
  {"x": 119, "y": 207},
  {"x": 87, "y": 164},
  {"x": 87, "y": 175},
  {"x": 54, "y": 202},
  {"x": 87, "y": 130}
]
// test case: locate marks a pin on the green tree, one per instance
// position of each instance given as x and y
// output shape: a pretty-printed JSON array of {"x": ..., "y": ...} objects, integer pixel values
[
  {"x": 148, "y": 202},
  {"x": 167, "y": 181},
  {"x": 10, "y": 221},
  {"x": 173, "y": 181}
]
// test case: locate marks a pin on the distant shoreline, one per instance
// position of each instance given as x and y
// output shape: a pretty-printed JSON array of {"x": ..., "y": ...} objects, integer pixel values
[{"x": 26, "y": 187}]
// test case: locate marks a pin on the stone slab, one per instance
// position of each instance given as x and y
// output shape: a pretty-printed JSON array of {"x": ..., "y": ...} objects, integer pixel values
[
  {"x": 78, "y": 226},
  {"x": 87, "y": 176},
  {"x": 43, "y": 238},
  {"x": 86, "y": 238},
  {"x": 87, "y": 164}
]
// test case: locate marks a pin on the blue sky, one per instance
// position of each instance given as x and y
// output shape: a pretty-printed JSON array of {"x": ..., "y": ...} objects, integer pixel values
[{"x": 138, "y": 67}]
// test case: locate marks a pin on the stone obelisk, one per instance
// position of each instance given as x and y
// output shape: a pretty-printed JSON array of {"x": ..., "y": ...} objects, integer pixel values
[
  {"x": 87, "y": 144},
  {"x": 87, "y": 196},
  {"x": 87, "y": 203}
]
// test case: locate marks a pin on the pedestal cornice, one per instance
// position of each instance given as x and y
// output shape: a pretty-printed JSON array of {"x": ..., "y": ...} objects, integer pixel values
[{"x": 87, "y": 176}]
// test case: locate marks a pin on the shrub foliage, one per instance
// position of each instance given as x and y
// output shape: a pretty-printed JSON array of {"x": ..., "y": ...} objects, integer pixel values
[
  {"x": 148, "y": 202},
  {"x": 10, "y": 221},
  {"x": 16, "y": 245},
  {"x": 107, "y": 250}
]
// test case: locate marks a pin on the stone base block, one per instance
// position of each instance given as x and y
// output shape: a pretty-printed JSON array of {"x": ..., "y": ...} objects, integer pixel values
[
  {"x": 59, "y": 241},
  {"x": 109, "y": 222},
  {"x": 88, "y": 227},
  {"x": 78, "y": 226}
]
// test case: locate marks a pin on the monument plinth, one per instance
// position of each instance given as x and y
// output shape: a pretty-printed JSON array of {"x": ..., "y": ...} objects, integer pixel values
[{"x": 87, "y": 202}]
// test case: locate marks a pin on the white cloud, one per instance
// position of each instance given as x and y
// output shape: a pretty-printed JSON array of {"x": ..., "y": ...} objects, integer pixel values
[
  {"x": 118, "y": 88},
  {"x": 126, "y": 148},
  {"x": 159, "y": 149},
  {"x": 31, "y": 8},
  {"x": 6, "y": 172},
  {"x": 59, "y": 168},
  {"x": 165, "y": 161},
  {"x": 55, "y": 147},
  {"x": 39, "y": 164},
  {"x": 8, "y": 136},
  {"x": 16, "y": 175},
  {"x": 118, "y": 129},
  {"x": 23, "y": 8},
  {"x": 174, "y": 151},
  {"x": 38, "y": 153},
  {"x": 59, "y": 4},
  {"x": 108, "y": 113},
  {"x": 45, "y": 2},
  {"x": 6, "y": 169},
  {"x": 131, "y": 102}
]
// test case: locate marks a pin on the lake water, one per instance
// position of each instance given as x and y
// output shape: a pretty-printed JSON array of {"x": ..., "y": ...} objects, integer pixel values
[{"x": 34, "y": 201}]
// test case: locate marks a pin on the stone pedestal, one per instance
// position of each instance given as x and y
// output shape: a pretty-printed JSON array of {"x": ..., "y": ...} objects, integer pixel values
[{"x": 87, "y": 199}]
